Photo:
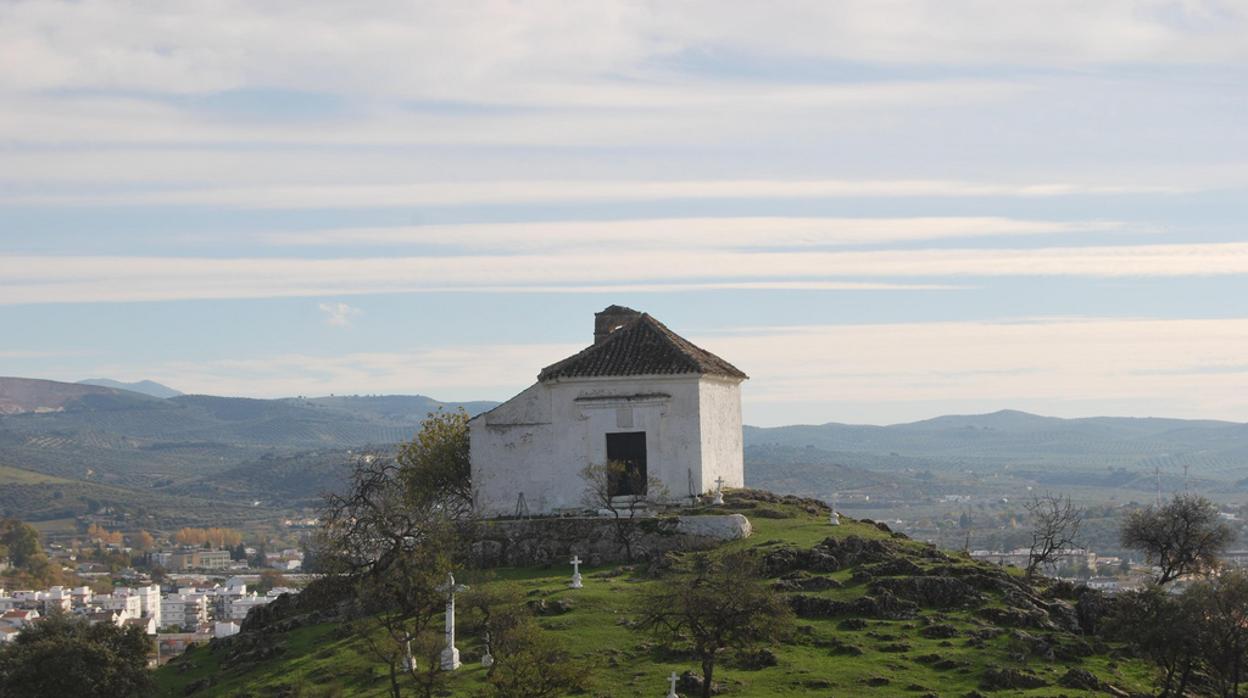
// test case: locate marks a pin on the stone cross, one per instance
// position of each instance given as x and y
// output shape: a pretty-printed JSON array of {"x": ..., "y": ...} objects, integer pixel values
[
  {"x": 409, "y": 662},
  {"x": 450, "y": 655},
  {"x": 833, "y": 517},
  {"x": 487, "y": 659},
  {"x": 719, "y": 491},
  {"x": 671, "y": 692},
  {"x": 576, "y": 573}
]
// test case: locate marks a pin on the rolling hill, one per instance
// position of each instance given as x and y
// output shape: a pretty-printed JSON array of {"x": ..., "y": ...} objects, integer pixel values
[
  {"x": 237, "y": 449},
  {"x": 145, "y": 387},
  {"x": 1098, "y": 452}
]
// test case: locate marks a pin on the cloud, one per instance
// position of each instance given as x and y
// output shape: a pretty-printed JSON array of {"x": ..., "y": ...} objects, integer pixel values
[
  {"x": 66, "y": 279},
  {"x": 448, "y": 193},
  {"x": 852, "y": 372},
  {"x": 505, "y": 51},
  {"x": 338, "y": 314},
  {"x": 872, "y": 372},
  {"x": 688, "y": 233},
  {"x": 462, "y": 372}
]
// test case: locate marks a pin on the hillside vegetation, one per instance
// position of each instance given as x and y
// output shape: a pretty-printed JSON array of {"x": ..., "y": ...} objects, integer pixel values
[
  {"x": 123, "y": 438},
  {"x": 878, "y": 615}
]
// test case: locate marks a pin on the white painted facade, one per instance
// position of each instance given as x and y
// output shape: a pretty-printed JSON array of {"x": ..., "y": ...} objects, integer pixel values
[{"x": 539, "y": 442}]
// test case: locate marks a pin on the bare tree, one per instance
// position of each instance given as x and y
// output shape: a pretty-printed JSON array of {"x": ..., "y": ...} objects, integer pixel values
[
  {"x": 396, "y": 544},
  {"x": 722, "y": 605},
  {"x": 1185, "y": 536},
  {"x": 1055, "y": 523},
  {"x": 603, "y": 487}
]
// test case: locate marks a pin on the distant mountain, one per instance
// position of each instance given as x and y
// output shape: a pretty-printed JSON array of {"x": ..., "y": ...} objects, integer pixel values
[
  {"x": 287, "y": 451},
  {"x": 145, "y": 387},
  {"x": 128, "y": 439},
  {"x": 32, "y": 395},
  {"x": 1011, "y": 449}
]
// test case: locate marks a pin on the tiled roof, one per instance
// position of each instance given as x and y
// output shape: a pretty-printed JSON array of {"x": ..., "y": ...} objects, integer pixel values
[{"x": 644, "y": 346}]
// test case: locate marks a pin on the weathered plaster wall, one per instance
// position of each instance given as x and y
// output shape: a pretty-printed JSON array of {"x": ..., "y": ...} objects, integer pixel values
[
  {"x": 539, "y": 441},
  {"x": 722, "y": 455}
]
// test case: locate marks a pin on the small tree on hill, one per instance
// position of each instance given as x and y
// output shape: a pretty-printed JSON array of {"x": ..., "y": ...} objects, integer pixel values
[
  {"x": 434, "y": 466},
  {"x": 396, "y": 552},
  {"x": 1055, "y": 525},
  {"x": 1221, "y": 604},
  {"x": 396, "y": 534},
  {"x": 63, "y": 656},
  {"x": 603, "y": 482},
  {"x": 1185, "y": 536},
  {"x": 25, "y": 552},
  {"x": 1163, "y": 629},
  {"x": 529, "y": 662},
  {"x": 723, "y": 604}
]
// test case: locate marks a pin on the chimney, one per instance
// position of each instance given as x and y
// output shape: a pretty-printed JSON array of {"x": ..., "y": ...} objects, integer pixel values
[{"x": 612, "y": 318}]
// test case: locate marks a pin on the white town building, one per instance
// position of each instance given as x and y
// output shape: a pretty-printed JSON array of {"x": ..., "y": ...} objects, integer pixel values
[{"x": 641, "y": 395}]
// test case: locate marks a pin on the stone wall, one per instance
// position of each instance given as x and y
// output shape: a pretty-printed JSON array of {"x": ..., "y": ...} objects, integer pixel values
[{"x": 541, "y": 541}]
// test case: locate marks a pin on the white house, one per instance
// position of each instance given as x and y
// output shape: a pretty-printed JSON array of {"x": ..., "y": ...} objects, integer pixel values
[{"x": 641, "y": 395}]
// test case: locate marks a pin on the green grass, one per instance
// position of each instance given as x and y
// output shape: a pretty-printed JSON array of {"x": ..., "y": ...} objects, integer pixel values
[{"x": 319, "y": 661}]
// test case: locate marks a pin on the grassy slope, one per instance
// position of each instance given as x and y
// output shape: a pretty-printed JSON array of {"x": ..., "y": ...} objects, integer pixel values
[{"x": 318, "y": 661}]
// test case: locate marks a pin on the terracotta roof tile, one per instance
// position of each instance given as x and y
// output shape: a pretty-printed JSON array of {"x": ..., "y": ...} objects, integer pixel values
[{"x": 644, "y": 346}]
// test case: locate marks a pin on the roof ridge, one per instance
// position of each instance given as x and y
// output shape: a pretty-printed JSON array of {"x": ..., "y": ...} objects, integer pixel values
[{"x": 633, "y": 350}]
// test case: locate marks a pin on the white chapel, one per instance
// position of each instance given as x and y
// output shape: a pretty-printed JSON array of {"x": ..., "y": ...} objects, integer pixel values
[{"x": 641, "y": 395}]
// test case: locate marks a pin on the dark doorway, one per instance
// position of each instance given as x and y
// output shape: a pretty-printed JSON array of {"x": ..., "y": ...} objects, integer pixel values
[{"x": 628, "y": 448}]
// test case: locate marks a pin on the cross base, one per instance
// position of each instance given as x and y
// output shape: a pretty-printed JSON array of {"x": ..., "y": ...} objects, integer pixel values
[
  {"x": 450, "y": 659},
  {"x": 834, "y": 519},
  {"x": 576, "y": 582},
  {"x": 487, "y": 660},
  {"x": 718, "y": 499}
]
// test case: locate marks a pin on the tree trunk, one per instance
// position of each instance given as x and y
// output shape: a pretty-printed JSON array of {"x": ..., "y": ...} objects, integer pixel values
[
  {"x": 1187, "y": 673},
  {"x": 394, "y": 682},
  {"x": 708, "y": 671},
  {"x": 1235, "y": 658}
]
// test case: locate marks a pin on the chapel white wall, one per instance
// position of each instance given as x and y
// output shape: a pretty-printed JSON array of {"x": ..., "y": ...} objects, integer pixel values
[
  {"x": 539, "y": 441},
  {"x": 719, "y": 401}
]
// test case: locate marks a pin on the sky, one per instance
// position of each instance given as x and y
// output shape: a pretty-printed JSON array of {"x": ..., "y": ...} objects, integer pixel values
[{"x": 881, "y": 211}]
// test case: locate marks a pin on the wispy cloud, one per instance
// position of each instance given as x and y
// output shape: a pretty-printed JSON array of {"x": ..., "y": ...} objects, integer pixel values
[
  {"x": 508, "y": 50},
  {"x": 95, "y": 279},
  {"x": 857, "y": 372},
  {"x": 338, "y": 314},
  {"x": 532, "y": 191},
  {"x": 470, "y": 371},
  {"x": 703, "y": 233}
]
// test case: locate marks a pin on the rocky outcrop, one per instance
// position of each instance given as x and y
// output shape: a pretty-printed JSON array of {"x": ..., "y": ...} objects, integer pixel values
[
  {"x": 1010, "y": 680},
  {"x": 929, "y": 591},
  {"x": 874, "y": 557},
  {"x": 884, "y": 606},
  {"x": 1084, "y": 680},
  {"x": 804, "y": 581},
  {"x": 716, "y": 528},
  {"x": 599, "y": 540}
]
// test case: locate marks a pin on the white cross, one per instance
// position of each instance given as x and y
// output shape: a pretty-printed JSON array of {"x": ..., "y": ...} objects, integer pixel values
[
  {"x": 450, "y": 655},
  {"x": 576, "y": 572},
  {"x": 719, "y": 491},
  {"x": 671, "y": 692}
]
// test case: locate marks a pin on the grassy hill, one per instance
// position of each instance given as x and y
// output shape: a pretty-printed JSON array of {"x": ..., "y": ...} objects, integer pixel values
[{"x": 879, "y": 615}]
